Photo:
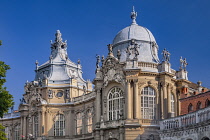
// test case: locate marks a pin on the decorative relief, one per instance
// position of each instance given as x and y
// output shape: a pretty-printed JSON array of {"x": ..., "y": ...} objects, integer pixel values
[{"x": 112, "y": 71}]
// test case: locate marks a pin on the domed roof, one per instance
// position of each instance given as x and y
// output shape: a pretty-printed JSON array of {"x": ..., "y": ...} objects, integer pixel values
[{"x": 134, "y": 31}]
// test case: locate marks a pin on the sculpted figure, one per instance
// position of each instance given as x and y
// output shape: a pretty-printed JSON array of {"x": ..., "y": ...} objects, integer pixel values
[
  {"x": 118, "y": 54},
  {"x": 128, "y": 52},
  {"x": 102, "y": 59},
  {"x": 181, "y": 62},
  {"x": 136, "y": 52},
  {"x": 97, "y": 61},
  {"x": 166, "y": 55},
  {"x": 110, "y": 48},
  {"x": 185, "y": 63},
  {"x": 84, "y": 89}
]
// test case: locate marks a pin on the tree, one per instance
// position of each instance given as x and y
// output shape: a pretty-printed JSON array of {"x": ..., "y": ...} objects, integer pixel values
[{"x": 6, "y": 99}]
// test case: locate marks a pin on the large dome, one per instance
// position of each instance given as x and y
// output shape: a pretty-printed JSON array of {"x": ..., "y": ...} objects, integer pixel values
[
  {"x": 135, "y": 36},
  {"x": 133, "y": 31}
]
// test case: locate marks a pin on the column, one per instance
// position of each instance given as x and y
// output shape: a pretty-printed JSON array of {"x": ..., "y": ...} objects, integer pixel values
[
  {"x": 24, "y": 126},
  {"x": 102, "y": 135},
  {"x": 164, "y": 102},
  {"x": 43, "y": 122},
  {"x": 136, "y": 100},
  {"x": 129, "y": 100},
  {"x": 98, "y": 105},
  {"x": 169, "y": 102}
]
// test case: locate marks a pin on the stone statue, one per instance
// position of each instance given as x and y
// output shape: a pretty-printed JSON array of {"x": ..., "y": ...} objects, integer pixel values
[
  {"x": 102, "y": 59},
  {"x": 128, "y": 52},
  {"x": 118, "y": 54},
  {"x": 97, "y": 61},
  {"x": 166, "y": 55},
  {"x": 136, "y": 52},
  {"x": 181, "y": 63},
  {"x": 58, "y": 36},
  {"x": 185, "y": 63},
  {"x": 84, "y": 89},
  {"x": 110, "y": 49}
]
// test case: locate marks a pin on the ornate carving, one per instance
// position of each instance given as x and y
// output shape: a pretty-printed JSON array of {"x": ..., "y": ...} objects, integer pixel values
[
  {"x": 166, "y": 55},
  {"x": 112, "y": 71},
  {"x": 97, "y": 61}
]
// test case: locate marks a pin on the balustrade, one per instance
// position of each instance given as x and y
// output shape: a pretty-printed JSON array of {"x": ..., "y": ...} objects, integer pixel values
[{"x": 193, "y": 118}]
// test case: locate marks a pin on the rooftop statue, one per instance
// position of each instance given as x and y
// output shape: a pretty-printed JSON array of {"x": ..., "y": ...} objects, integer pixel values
[
  {"x": 97, "y": 61},
  {"x": 136, "y": 52},
  {"x": 110, "y": 49},
  {"x": 166, "y": 55}
]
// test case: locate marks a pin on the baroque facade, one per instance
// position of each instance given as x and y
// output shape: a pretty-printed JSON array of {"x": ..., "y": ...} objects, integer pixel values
[{"x": 133, "y": 91}]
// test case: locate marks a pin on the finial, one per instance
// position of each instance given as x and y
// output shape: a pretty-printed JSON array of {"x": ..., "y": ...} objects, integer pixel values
[
  {"x": 102, "y": 59},
  {"x": 110, "y": 46},
  {"x": 58, "y": 36},
  {"x": 36, "y": 64},
  {"x": 78, "y": 61},
  {"x": 133, "y": 16}
]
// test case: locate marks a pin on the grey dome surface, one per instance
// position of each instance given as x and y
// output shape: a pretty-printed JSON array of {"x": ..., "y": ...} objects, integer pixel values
[{"x": 133, "y": 31}]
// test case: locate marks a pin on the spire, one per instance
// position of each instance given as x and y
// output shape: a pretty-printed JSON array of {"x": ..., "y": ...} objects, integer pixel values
[
  {"x": 133, "y": 16},
  {"x": 58, "y": 36},
  {"x": 58, "y": 47}
]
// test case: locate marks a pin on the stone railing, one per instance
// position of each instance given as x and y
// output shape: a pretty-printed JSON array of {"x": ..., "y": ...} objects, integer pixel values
[
  {"x": 148, "y": 121},
  {"x": 11, "y": 115},
  {"x": 84, "y": 97},
  {"x": 186, "y": 120},
  {"x": 112, "y": 124},
  {"x": 146, "y": 64}
]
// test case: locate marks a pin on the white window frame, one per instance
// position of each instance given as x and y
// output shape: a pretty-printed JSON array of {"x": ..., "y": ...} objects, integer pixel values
[
  {"x": 59, "y": 125},
  {"x": 172, "y": 105},
  {"x": 36, "y": 126},
  {"x": 89, "y": 121},
  {"x": 148, "y": 103},
  {"x": 7, "y": 132},
  {"x": 115, "y": 103},
  {"x": 79, "y": 122},
  {"x": 17, "y": 133}
]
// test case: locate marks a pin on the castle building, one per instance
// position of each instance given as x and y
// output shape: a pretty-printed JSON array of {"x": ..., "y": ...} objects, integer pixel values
[{"x": 133, "y": 90}]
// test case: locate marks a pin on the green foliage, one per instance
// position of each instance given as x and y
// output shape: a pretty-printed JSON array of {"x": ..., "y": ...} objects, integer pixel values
[
  {"x": 6, "y": 99},
  {"x": 2, "y": 134}
]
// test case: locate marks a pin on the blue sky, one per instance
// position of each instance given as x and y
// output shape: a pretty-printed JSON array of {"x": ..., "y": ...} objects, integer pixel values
[{"x": 27, "y": 26}]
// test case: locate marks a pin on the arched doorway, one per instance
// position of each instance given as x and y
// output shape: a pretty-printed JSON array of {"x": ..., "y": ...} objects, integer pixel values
[{"x": 205, "y": 138}]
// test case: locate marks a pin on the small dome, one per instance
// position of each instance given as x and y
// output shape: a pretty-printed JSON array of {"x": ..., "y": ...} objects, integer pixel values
[{"x": 133, "y": 31}]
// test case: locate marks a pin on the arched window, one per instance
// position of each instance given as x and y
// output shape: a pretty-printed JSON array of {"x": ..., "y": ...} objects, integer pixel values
[
  {"x": 115, "y": 105},
  {"x": 148, "y": 103},
  {"x": 36, "y": 126},
  {"x": 172, "y": 105},
  {"x": 199, "y": 105},
  {"x": 89, "y": 121},
  {"x": 207, "y": 102},
  {"x": 17, "y": 132},
  {"x": 59, "y": 125},
  {"x": 190, "y": 108},
  {"x": 79, "y": 123},
  {"x": 7, "y": 132}
]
